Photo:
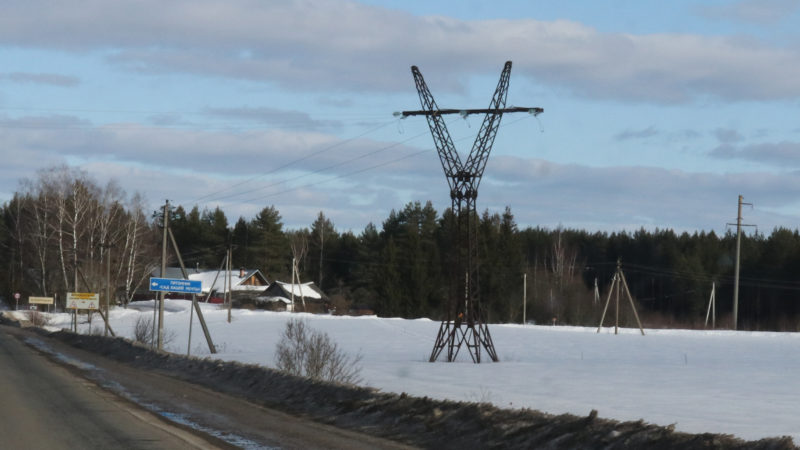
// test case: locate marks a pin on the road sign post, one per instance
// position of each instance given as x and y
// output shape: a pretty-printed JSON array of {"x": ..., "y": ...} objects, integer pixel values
[{"x": 16, "y": 297}]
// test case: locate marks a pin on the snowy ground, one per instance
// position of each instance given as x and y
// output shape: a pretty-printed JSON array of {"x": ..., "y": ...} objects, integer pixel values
[{"x": 742, "y": 383}]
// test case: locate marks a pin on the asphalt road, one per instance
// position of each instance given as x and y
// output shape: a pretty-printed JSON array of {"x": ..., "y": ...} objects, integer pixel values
[
  {"x": 45, "y": 406},
  {"x": 55, "y": 396}
]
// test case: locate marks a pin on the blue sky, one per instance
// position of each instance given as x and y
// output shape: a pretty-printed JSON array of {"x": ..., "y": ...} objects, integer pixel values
[{"x": 657, "y": 114}]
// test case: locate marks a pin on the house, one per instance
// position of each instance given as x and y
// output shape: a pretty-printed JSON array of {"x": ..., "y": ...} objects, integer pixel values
[
  {"x": 278, "y": 296},
  {"x": 214, "y": 284},
  {"x": 241, "y": 281}
]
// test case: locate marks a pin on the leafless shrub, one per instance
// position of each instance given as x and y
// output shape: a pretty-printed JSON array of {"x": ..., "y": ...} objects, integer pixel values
[
  {"x": 38, "y": 319},
  {"x": 306, "y": 352},
  {"x": 143, "y": 329}
]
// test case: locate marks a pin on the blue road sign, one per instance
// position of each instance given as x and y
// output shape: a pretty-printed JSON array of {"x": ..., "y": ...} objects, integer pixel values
[{"x": 176, "y": 285}]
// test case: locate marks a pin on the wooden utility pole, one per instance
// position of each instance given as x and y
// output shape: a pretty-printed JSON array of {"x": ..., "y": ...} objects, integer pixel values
[{"x": 619, "y": 278}]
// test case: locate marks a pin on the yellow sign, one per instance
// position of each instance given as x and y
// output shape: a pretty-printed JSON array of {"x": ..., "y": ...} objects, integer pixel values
[
  {"x": 40, "y": 300},
  {"x": 82, "y": 296},
  {"x": 83, "y": 300}
]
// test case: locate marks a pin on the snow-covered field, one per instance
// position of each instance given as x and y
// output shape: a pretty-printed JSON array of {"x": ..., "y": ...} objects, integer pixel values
[{"x": 742, "y": 383}]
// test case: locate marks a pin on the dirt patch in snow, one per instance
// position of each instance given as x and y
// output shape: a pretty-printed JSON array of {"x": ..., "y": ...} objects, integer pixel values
[{"x": 422, "y": 422}]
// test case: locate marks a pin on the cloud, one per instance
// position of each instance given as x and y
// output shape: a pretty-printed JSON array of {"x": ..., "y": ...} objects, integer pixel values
[
  {"x": 630, "y": 197},
  {"x": 347, "y": 46},
  {"x": 762, "y": 12},
  {"x": 50, "y": 79},
  {"x": 228, "y": 167},
  {"x": 360, "y": 181},
  {"x": 784, "y": 154},
  {"x": 637, "y": 134},
  {"x": 275, "y": 117},
  {"x": 728, "y": 136}
]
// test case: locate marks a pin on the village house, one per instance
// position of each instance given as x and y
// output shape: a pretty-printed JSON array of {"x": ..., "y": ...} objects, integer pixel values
[
  {"x": 307, "y": 298},
  {"x": 244, "y": 283}
]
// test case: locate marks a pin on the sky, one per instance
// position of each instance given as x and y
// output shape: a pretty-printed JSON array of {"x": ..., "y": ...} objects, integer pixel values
[{"x": 656, "y": 114}]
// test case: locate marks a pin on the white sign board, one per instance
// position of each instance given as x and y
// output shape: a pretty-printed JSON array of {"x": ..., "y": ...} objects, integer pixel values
[
  {"x": 40, "y": 300},
  {"x": 83, "y": 300}
]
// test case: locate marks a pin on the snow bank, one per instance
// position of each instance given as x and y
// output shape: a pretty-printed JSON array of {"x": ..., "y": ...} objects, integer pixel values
[{"x": 741, "y": 383}]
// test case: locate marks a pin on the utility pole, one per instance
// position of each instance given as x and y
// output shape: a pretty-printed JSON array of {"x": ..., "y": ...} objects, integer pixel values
[
  {"x": 738, "y": 255},
  {"x": 107, "y": 247},
  {"x": 524, "y": 297},
  {"x": 229, "y": 294},
  {"x": 712, "y": 307},
  {"x": 619, "y": 282},
  {"x": 294, "y": 266},
  {"x": 163, "y": 274},
  {"x": 464, "y": 319},
  {"x": 596, "y": 292}
]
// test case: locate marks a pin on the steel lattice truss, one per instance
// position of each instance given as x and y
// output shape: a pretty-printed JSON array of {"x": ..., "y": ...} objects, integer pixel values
[{"x": 464, "y": 321}]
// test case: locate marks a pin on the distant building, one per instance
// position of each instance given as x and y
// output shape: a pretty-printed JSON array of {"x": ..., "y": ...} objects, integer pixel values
[
  {"x": 278, "y": 296},
  {"x": 240, "y": 281},
  {"x": 243, "y": 282}
]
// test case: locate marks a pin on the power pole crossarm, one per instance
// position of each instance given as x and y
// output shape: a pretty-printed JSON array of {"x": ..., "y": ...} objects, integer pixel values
[{"x": 469, "y": 112}]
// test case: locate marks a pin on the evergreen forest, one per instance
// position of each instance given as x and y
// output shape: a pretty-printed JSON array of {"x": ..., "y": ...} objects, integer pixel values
[{"x": 61, "y": 232}]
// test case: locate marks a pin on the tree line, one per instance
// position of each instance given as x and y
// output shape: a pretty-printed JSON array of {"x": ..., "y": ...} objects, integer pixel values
[{"x": 61, "y": 232}]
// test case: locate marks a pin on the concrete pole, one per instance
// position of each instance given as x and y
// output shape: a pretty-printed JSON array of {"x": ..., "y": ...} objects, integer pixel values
[
  {"x": 294, "y": 266},
  {"x": 108, "y": 286},
  {"x": 736, "y": 270},
  {"x": 163, "y": 274},
  {"x": 524, "y": 297},
  {"x": 229, "y": 294}
]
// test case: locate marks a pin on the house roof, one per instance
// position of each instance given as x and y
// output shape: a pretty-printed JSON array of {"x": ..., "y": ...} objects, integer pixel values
[
  {"x": 238, "y": 283},
  {"x": 309, "y": 290}
]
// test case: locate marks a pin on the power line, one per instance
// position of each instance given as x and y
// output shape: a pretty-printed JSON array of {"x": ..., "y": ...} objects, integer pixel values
[
  {"x": 361, "y": 170},
  {"x": 333, "y": 166},
  {"x": 290, "y": 163}
]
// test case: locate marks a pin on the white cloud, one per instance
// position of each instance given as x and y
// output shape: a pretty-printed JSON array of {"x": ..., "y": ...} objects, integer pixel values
[
  {"x": 629, "y": 197},
  {"x": 276, "y": 117},
  {"x": 318, "y": 45},
  {"x": 51, "y": 79},
  {"x": 205, "y": 167},
  {"x": 626, "y": 135},
  {"x": 762, "y": 12},
  {"x": 784, "y": 154}
]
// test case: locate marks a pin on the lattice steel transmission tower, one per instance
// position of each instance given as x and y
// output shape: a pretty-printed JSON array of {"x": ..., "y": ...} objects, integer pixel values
[{"x": 464, "y": 321}]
